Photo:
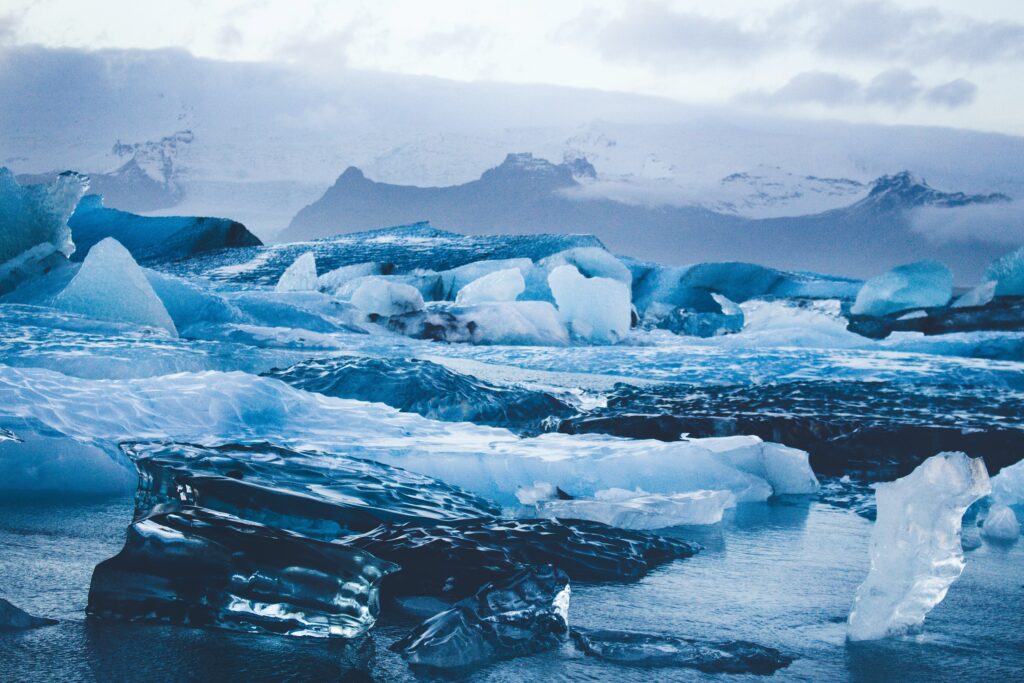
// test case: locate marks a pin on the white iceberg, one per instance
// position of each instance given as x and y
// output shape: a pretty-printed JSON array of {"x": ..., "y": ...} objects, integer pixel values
[
  {"x": 915, "y": 546},
  {"x": 922, "y": 284},
  {"x": 978, "y": 296},
  {"x": 641, "y": 510},
  {"x": 594, "y": 309},
  {"x": 300, "y": 276},
  {"x": 1001, "y": 524},
  {"x": 110, "y": 285},
  {"x": 379, "y": 296},
  {"x": 1008, "y": 485},
  {"x": 501, "y": 285}
]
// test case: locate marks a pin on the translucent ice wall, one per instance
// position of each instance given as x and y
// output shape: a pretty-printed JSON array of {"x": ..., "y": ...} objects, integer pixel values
[{"x": 37, "y": 214}]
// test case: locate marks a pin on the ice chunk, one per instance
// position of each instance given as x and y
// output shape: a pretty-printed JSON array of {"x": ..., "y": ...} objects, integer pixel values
[
  {"x": 453, "y": 559},
  {"x": 37, "y": 214},
  {"x": 1008, "y": 485},
  {"x": 915, "y": 545},
  {"x": 12, "y": 618},
  {"x": 456, "y": 279},
  {"x": 499, "y": 322},
  {"x": 111, "y": 286},
  {"x": 300, "y": 276},
  {"x": 594, "y": 309},
  {"x": 978, "y": 296},
  {"x": 189, "y": 305},
  {"x": 638, "y": 510},
  {"x": 649, "y": 650},
  {"x": 591, "y": 262},
  {"x": 201, "y": 568},
  {"x": 382, "y": 297},
  {"x": 1008, "y": 274},
  {"x": 423, "y": 387},
  {"x": 501, "y": 285},
  {"x": 523, "y": 614},
  {"x": 334, "y": 280},
  {"x": 1001, "y": 524},
  {"x": 322, "y": 496},
  {"x": 922, "y": 284}
]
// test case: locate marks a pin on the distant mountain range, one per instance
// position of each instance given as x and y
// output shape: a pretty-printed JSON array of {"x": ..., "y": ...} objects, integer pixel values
[{"x": 526, "y": 195}]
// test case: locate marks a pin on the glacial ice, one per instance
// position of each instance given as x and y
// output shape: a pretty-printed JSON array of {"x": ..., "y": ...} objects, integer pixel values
[
  {"x": 1008, "y": 274},
  {"x": 915, "y": 545},
  {"x": 501, "y": 285},
  {"x": 14, "y": 618},
  {"x": 523, "y": 614},
  {"x": 514, "y": 323},
  {"x": 591, "y": 262},
  {"x": 977, "y": 296},
  {"x": 922, "y": 284},
  {"x": 379, "y": 296},
  {"x": 1008, "y": 485},
  {"x": 202, "y": 568},
  {"x": 594, "y": 309},
  {"x": 456, "y": 279},
  {"x": 334, "y": 280},
  {"x": 639, "y": 510},
  {"x": 111, "y": 286},
  {"x": 453, "y": 559},
  {"x": 1001, "y": 524},
  {"x": 655, "y": 650},
  {"x": 300, "y": 276},
  {"x": 37, "y": 214}
]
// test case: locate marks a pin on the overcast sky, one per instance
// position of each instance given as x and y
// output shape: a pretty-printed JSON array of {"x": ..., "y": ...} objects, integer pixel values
[{"x": 941, "y": 62}]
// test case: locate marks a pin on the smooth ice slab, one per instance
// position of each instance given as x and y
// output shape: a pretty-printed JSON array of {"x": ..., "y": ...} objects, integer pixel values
[
  {"x": 322, "y": 496},
  {"x": 454, "y": 559},
  {"x": 596, "y": 309},
  {"x": 655, "y": 650},
  {"x": 915, "y": 545},
  {"x": 501, "y": 285},
  {"x": 638, "y": 510},
  {"x": 196, "y": 567},
  {"x": 923, "y": 284},
  {"x": 300, "y": 276},
  {"x": 523, "y": 614},
  {"x": 111, "y": 286}
]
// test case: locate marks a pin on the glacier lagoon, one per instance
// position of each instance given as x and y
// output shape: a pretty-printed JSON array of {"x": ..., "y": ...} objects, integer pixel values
[{"x": 371, "y": 442}]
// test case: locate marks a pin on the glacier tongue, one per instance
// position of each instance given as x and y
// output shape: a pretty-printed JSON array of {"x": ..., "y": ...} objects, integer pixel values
[{"x": 915, "y": 546}]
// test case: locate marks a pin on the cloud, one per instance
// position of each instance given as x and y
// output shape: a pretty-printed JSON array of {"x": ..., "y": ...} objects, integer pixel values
[
  {"x": 954, "y": 94},
  {"x": 1002, "y": 223},
  {"x": 9, "y": 24},
  {"x": 892, "y": 88},
  {"x": 659, "y": 36}
]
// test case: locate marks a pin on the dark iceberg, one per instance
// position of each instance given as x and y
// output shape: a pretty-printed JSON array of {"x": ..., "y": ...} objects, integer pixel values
[
  {"x": 523, "y": 614},
  {"x": 322, "y": 496},
  {"x": 650, "y": 650},
  {"x": 196, "y": 567},
  {"x": 453, "y": 560},
  {"x": 420, "y": 386},
  {"x": 13, "y": 618}
]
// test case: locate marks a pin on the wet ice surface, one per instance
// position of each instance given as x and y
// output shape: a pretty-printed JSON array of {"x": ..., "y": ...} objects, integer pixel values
[{"x": 781, "y": 574}]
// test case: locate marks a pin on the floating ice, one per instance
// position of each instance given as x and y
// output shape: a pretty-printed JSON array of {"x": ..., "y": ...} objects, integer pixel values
[
  {"x": 37, "y": 214},
  {"x": 501, "y": 285},
  {"x": 1008, "y": 274},
  {"x": 382, "y": 297},
  {"x": 638, "y": 510},
  {"x": 334, "y": 280},
  {"x": 111, "y": 286},
  {"x": 455, "y": 280},
  {"x": 453, "y": 559},
  {"x": 1008, "y": 485},
  {"x": 534, "y": 323},
  {"x": 978, "y": 296},
  {"x": 202, "y": 568},
  {"x": 591, "y": 262},
  {"x": 1001, "y": 524},
  {"x": 13, "y": 618},
  {"x": 594, "y": 309},
  {"x": 915, "y": 545},
  {"x": 300, "y": 276},
  {"x": 523, "y": 614},
  {"x": 922, "y": 284}
]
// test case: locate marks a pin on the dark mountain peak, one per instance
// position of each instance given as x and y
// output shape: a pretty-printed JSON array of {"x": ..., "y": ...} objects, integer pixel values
[
  {"x": 351, "y": 174},
  {"x": 524, "y": 168},
  {"x": 904, "y": 190}
]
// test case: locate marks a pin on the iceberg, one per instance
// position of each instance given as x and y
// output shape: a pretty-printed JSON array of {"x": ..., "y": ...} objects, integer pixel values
[
  {"x": 1001, "y": 524},
  {"x": 155, "y": 238},
  {"x": 456, "y": 279},
  {"x": 300, "y": 276},
  {"x": 1008, "y": 274},
  {"x": 977, "y": 296},
  {"x": 501, "y": 285},
  {"x": 201, "y": 568},
  {"x": 639, "y": 510},
  {"x": 332, "y": 281},
  {"x": 591, "y": 262},
  {"x": 34, "y": 215},
  {"x": 922, "y": 284},
  {"x": 654, "y": 650},
  {"x": 523, "y": 614},
  {"x": 453, "y": 559},
  {"x": 594, "y": 309},
  {"x": 111, "y": 286},
  {"x": 513, "y": 323},
  {"x": 915, "y": 545},
  {"x": 1008, "y": 485},
  {"x": 15, "y": 619},
  {"x": 381, "y": 297}
]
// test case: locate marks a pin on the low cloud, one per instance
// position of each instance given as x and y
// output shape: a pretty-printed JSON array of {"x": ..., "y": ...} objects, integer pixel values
[
  {"x": 895, "y": 87},
  {"x": 1001, "y": 223},
  {"x": 954, "y": 94}
]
